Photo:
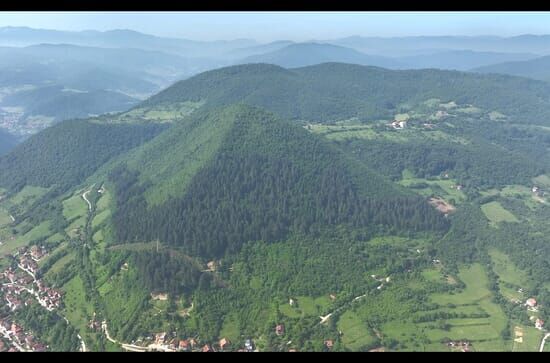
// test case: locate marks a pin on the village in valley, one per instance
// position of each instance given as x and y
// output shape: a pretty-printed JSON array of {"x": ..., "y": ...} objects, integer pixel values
[{"x": 20, "y": 287}]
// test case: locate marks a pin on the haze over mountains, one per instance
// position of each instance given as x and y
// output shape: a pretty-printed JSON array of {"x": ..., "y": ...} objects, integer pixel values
[{"x": 81, "y": 74}]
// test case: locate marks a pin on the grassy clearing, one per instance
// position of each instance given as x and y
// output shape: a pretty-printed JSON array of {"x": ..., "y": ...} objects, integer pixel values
[
  {"x": 542, "y": 180},
  {"x": 496, "y": 213},
  {"x": 27, "y": 195},
  {"x": 12, "y": 242},
  {"x": 5, "y": 219},
  {"x": 445, "y": 188},
  {"x": 78, "y": 309},
  {"x": 355, "y": 332},
  {"x": 230, "y": 329},
  {"x": 373, "y": 131},
  {"x": 100, "y": 218},
  {"x": 161, "y": 113},
  {"x": 402, "y": 117},
  {"x": 74, "y": 207},
  {"x": 507, "y": 270},
  {"x": 59, "y": 265},
  {"x": 527, "y": 339},
  {"x": 306, "y": 306}
]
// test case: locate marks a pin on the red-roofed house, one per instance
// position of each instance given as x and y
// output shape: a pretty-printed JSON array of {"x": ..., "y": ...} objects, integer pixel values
[{"x": 280, "y": 329}]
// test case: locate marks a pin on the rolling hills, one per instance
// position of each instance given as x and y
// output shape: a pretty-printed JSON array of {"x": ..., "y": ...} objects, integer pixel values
[
  {"x": 254, "y": 196},
  {"x": 306, "y": 54},
  {"x": 533, "y": 68},
  {"x": 334, "y": 91}
]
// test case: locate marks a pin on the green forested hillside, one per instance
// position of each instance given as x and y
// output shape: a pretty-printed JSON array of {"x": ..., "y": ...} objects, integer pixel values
[
  {"x": 7, "y": 142},
  {"x": 537, "y": 68},
  {"x": 65, "y": 154},
  {"x": 267, "y": 178},
  {"x": 256, "y": 196},
  {"x": 336, "y": 91}
]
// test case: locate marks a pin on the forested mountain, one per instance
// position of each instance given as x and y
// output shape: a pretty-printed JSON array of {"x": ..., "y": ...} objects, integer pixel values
[
  {"x": 266, "y": 178},
  {"x": 538, "y": 68},
  {"x": 7, "y": 141},
  {"x": 415, "y": 45},
  {"x": 118, "y": 38},
  {"x": 306, "y": 54},
  {"x": 334, "y": 91},
  {"x": 65, "y": 154},
  {"x": 461, "y": 60},
  {"x": 366, "y": 207}
]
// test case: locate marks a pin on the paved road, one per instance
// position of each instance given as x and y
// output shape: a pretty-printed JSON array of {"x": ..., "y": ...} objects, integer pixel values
[{"x": 543, "y": 342}]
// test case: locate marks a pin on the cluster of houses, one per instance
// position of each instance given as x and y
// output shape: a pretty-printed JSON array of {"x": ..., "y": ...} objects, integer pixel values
[
  {"x": 17, "y": 282},
  {"x": 19, "y": 339},
  {"x": 193, "y": 345},
  {"x": 532, "y": 306},
  {"x": 462, "y": 345}
]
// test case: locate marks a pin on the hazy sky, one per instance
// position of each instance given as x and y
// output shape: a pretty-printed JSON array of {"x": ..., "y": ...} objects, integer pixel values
[{"x": 267, "y": 26}]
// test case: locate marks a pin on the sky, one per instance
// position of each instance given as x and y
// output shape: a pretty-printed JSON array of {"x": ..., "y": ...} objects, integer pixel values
[{"x": 297, "y": 26}]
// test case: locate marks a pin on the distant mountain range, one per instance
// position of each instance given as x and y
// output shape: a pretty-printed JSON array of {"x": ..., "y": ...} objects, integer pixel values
[
  {"x": 107, "y": 71},
  {"x": 415, "y": 45},
  {"x": 306, "y": 54},
  {"x": 538, "y": 68}
]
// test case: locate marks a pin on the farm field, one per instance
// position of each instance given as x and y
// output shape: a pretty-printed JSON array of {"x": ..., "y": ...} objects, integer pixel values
[
  {"x": 484, "y": 333},
  {"x": 496, "y": 213},
  {"x": 355, "y": 332},
  {"x": 445, "y": 188},
  {"x": 526, "y": 339},
  {"x": 74, "y": 207}
]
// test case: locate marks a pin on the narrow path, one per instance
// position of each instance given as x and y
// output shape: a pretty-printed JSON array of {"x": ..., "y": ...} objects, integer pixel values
[
  {"x": 129, "y": 347},
  {"x": 543, "y": 342},
  {"x": 86, "y": 199}
]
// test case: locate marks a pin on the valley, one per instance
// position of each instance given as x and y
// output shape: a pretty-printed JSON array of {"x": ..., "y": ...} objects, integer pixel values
[{"x": 231, "y": 218}]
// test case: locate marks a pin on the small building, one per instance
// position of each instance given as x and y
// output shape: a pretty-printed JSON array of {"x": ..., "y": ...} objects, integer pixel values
[
  {"x": 160, "y": 296},
  {"x": 332, "y": 297},
  {"x": 531, "y": 302},
  {"x": 539, "y": 323},
  {"x": 224, "y": 343},
  {"x": 249, "y": 345},
  {"x": 16, "y": 329},
  {"x": 535, "y": 189},
  {"x": 212, "y": 265},
  {"x": 206, "y": 348},
  {"x": 280, "y": 329},
  {"x": 160, "y": 338},
  {"x": 37, "y": 252},
  {"x": 329, "y": 343},
  {"x": 459, "y": 187},
  {"x": 291, "y": 302}
]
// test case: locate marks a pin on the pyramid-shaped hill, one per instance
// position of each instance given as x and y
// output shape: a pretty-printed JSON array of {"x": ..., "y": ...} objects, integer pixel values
[{"x": 239, "y": 174}]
